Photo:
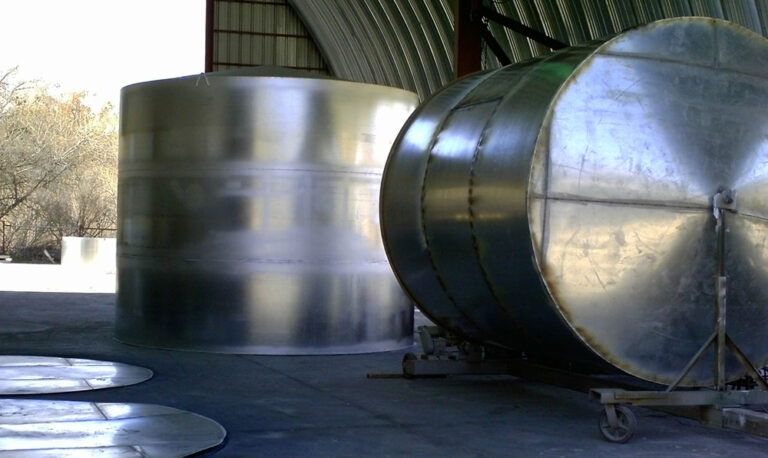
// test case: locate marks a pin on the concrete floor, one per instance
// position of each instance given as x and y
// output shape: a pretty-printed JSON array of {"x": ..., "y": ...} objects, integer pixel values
[{"x": 324, "y": 406}]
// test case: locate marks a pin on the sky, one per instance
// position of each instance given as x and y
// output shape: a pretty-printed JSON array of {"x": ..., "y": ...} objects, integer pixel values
[{"x": 100, "y": 46}]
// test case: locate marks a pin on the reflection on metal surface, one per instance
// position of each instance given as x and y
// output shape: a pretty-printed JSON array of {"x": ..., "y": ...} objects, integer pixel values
[
  {"x": 249, "y": 216},
  {"x": 65, "y": 428},
  {"x": 563, "y": 205},
  {"x": 44, "y": 374}
]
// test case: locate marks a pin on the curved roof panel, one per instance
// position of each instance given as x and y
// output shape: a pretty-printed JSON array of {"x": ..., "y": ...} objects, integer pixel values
[
  {"x": 403, "y": 43},
  {"x": 409, "y": 43}
]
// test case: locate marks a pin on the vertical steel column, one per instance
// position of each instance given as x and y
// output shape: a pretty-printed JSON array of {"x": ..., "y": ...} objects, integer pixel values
[
  {"x": 720, "y": 290},
  {"x": 209, "y": 12},
  {"x": 467, "y": 38},
  {"x": 721, "y": 201}
]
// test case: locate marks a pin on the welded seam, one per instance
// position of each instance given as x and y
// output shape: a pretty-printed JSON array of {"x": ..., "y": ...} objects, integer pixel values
[
  {"x": 619, "y": 202},
  {"x": 476, "y": 103},
  {"x": 524, "y": 79},
  {"x": 584, "y": 53},
  {"x": 427, "y": 244},
  {"x": 101, "y": 412},
  {"x": 665, "y": 60},
  {"x": 547, "y": 166},
  {"x": 752, "y": 216},
  {"x": 92, "y": 387}
]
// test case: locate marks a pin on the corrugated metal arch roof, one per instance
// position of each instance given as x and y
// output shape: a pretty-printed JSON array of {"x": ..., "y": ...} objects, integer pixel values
[
  {"x": 400, "y": 43},
  {"x": 409, "y": 43}
]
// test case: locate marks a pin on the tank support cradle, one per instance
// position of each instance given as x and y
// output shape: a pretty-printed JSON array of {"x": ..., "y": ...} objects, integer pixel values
[
  {"x": 714, "y": 407},
  {"x": 444, "y": 354}
]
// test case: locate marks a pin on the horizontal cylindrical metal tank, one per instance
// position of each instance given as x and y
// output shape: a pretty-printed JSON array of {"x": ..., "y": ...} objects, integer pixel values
[
  {"x": 564, "y": 206},
  {"x": 248, "y": 215}
]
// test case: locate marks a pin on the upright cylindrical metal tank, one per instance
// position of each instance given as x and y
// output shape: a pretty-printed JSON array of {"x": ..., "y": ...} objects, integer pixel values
[
  {"x": 248, "y": 215},
  {"x": 564, "y": 206}
]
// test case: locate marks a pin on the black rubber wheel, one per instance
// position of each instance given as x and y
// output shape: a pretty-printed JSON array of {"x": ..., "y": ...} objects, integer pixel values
[
  {"x": 625, "y": 428},
  {"x": 408, "y": 357}
]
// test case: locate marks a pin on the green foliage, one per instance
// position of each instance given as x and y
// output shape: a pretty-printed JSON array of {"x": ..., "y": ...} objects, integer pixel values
[{"x": 58, "y": 166}]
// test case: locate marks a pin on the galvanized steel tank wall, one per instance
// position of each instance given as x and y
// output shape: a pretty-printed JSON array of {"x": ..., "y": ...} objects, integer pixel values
[
  {"x": 563, "y": 206},
  {"x": 248, "y": 216}
]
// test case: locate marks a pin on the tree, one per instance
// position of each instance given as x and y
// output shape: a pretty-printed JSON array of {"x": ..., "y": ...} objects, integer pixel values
[{"x": 58, "y": 164}]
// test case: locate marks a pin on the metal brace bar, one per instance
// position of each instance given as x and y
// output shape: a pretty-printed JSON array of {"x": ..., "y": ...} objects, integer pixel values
[
  {"x": 521, "y": 28},
  {"x": 720, "y": 289},
  {"x": 494, "y": 45},
  {"x": 692, "y": 362},
  {"x": 720, "y": 330},
  {"x": 746, "y": 362}
]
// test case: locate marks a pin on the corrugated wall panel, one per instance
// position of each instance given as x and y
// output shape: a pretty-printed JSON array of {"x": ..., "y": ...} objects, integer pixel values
[
  {"x": 673, "y": 8},
  {"x": 250, "y": 33},
  {"x": 743, "y": 12},
  {"x": 762, "y": 12},
  {"x": 518, "y": 44},
  {"x": 622, "y": 14},
  {"x": 711, "y": 8},
  {"x": 552, "y": 21},
  {"x": 400, "y": 43},
  {"x": 598, "y": 19},
  {"x": 404, "y": 55},
  {"x": 414, "y": 18},
  {"x": 574, "y": 20}
]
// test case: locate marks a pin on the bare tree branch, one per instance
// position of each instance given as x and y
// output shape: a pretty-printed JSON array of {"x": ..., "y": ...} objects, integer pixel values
[{"x": 58, "y": 164}]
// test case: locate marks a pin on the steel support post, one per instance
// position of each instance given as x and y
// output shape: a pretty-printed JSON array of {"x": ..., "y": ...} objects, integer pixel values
[{"x": 467, "y": 37}]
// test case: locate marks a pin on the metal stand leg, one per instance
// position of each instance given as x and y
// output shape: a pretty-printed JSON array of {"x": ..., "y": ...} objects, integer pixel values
[{"x": 716, "y": 404}]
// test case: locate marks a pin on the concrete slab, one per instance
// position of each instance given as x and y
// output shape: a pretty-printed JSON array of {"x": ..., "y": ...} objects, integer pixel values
[{"x": 325, "y": 406}]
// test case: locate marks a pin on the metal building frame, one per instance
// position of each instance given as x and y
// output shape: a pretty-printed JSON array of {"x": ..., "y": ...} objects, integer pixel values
[{"x": 265, "y": 34}]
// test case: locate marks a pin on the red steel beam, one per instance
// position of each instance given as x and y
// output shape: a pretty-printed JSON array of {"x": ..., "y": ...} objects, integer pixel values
[
  {"x": 467, "y": 37},
  {"x": 209, "y": 11}
]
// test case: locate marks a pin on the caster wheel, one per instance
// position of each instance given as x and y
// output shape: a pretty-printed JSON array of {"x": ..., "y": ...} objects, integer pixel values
[
  {"x": 624, "y": 427},
  {"x": 406, "y": 371}
]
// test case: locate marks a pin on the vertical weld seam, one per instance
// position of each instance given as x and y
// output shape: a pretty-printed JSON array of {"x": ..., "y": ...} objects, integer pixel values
[
  {"x": 432, "y": 263},
  {"x": 471, "y": 209},
  {"x": 471, "y": 200},
  {"x": 547, "y": 170},
  {"x": 545, "y": 191},
  {"x": 428, "y": 246}
]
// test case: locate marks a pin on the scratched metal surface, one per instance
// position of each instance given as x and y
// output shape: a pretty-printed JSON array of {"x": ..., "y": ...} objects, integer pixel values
[
  {"x": 565, "y": 207},
  {"x": 37, "y": 428},
  {"x": 22, "y": 375}
]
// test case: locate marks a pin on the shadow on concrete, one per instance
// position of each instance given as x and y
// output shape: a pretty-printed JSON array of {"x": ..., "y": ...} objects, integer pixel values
[{"x": 325, "y": 406}]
